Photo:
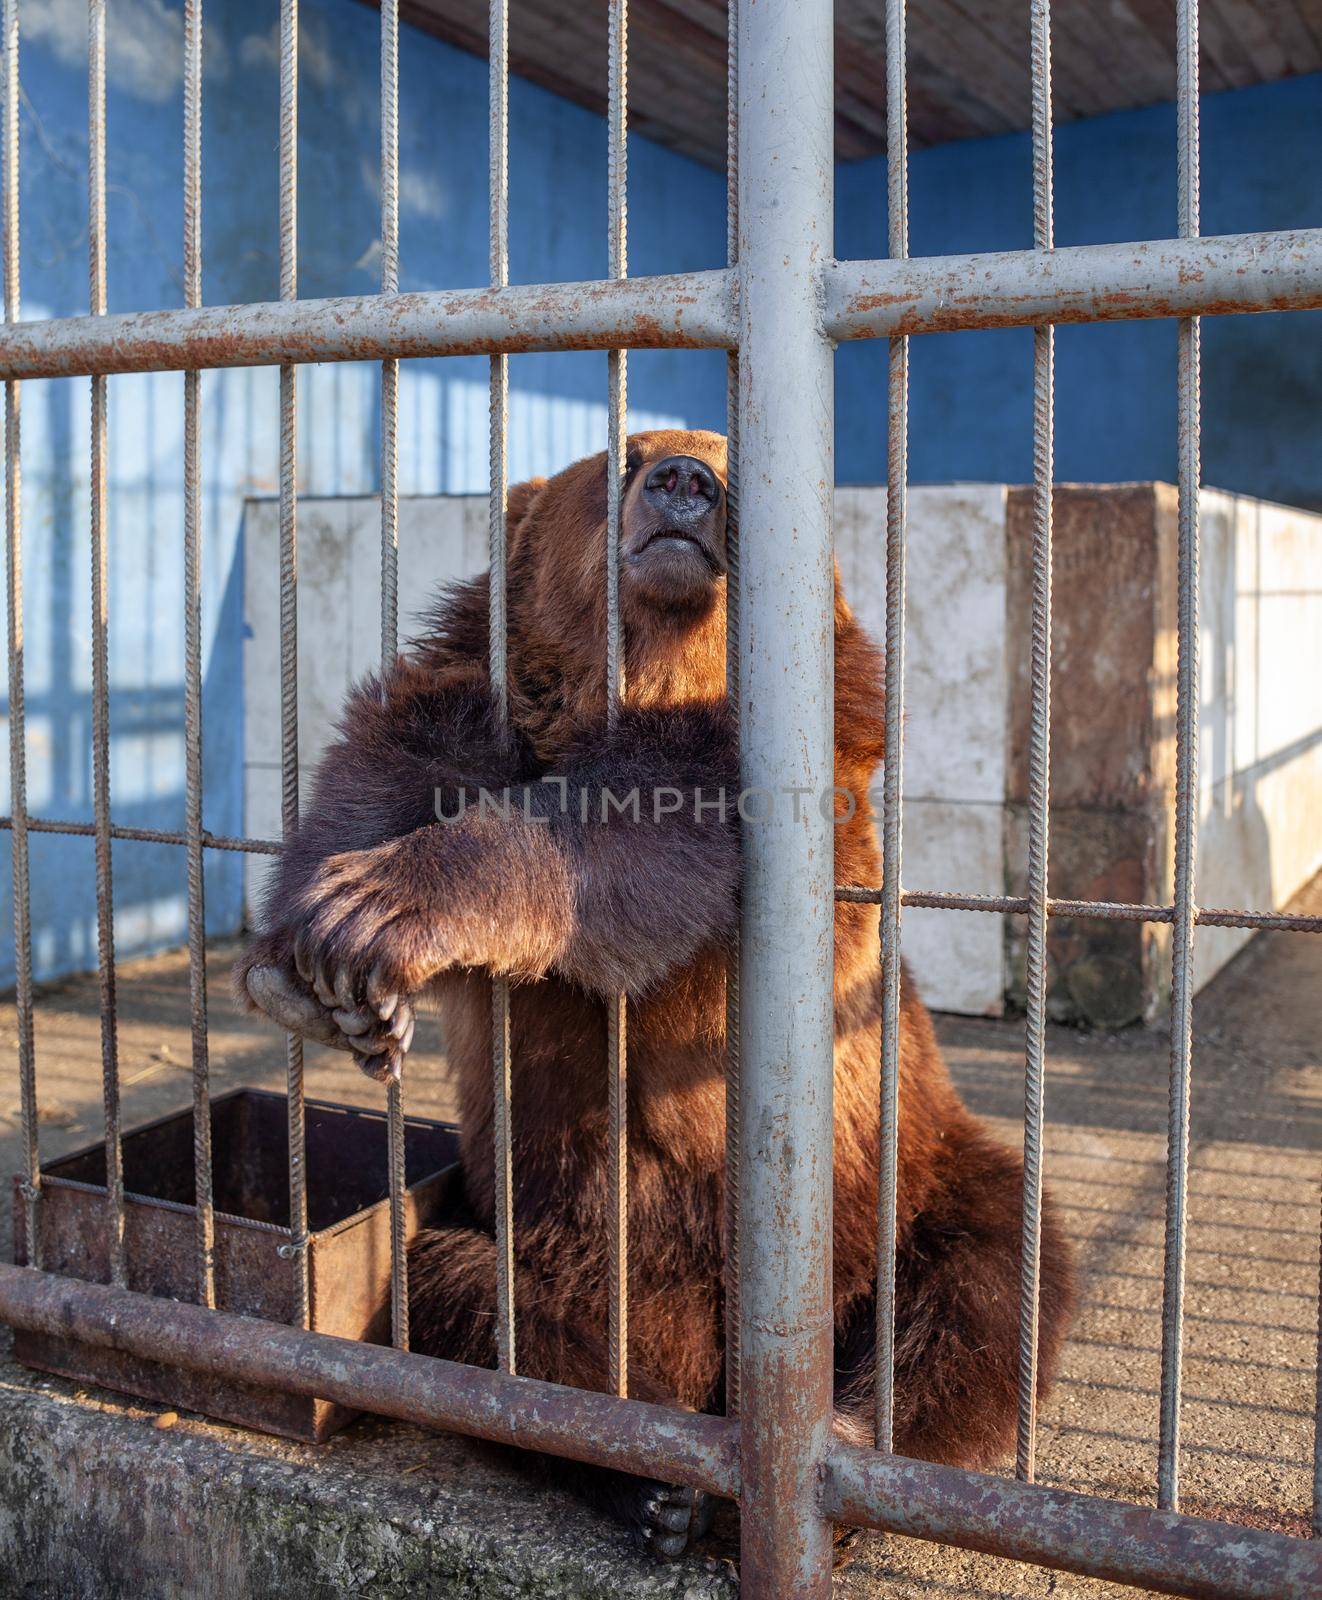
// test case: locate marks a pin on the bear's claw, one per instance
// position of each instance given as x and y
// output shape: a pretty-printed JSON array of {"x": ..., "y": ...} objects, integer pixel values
[
  {"x": 670, "y": 1517},
  {"x": 378, "y": 1033}
]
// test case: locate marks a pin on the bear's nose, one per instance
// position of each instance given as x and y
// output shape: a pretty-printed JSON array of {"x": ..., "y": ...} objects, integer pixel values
[{"x": 681, "y": 488}]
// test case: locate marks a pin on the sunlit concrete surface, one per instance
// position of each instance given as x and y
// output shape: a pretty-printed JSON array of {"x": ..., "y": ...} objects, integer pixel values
[
  {"x": 1252, "y": 1265},
  {"x": 1251, "y": 1284}
]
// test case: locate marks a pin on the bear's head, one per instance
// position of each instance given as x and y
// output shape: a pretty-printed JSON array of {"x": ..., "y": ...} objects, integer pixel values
[{"x": 672, "y": 581}]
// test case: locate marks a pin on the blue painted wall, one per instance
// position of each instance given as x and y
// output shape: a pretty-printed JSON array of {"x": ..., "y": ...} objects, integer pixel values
[
  {"x": 971, "y": 398},
  {"x": 1115, "y": 393},
  {"x": 558, "y": 217}
]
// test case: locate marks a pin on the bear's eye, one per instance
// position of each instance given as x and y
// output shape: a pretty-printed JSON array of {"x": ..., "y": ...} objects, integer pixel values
[{"x": 632, "y": 461}]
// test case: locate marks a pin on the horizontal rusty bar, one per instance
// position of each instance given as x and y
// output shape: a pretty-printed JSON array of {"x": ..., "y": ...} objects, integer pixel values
[
  {"x": 211, "y": 841},
  {"x": 1085, "y": 283},
  {"x": 1281, "y": 921},
  {"x": 857, "y": 894},
  {"x": 1107, "y": 910},
  {"x": 627, "y": 1434},
  {"x": 1154, "y": 1550},
  {"x": 686, "y": 310},
  {"x": 863, "y": 299}
]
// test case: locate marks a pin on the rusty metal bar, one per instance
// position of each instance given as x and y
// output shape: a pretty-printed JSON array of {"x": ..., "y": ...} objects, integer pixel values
[
  {"x": 659, "y": 1441},
  {"x": 18, "y": 771},
  {"x": 390, "y": 366},
  {"x": 786, "y": 614},
  {"x": 1010, "y": 905},
  {"x": 1186, "y": 789},
  {"x": 297, "y": 1249},
  {"x": 617, "y": 429},
  {"x": 1084, "y": 283},
  {"x": 892, "y": 825},
  {"x": 1317, "y": 1407},
  {"x": 399, "y": 1283},
  {"x": 498, "y": 90},
  {"x": 1039, "y": 764},
  {"x": 1109, "y": 910},
  {"x": 105, "y": 899},
  {"x": 1158, "y": 1551},
  {"x": 1279, "y": 271},
  {"x": 197, "y": 924},
  {"x": 732, "y": 1029},
  {"x": 396, "y": 1168},
  {"x": 87, "y": 830},
  {"x": 686, "y": 310}
]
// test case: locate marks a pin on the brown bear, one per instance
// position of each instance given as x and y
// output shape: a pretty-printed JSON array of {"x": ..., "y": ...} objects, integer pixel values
[{"x": 400, "y": 884}]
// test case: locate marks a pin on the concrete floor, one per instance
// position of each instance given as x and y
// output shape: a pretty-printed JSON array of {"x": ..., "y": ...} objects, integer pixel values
[
  {"x": 1252, "y": 1269},
  {"x": 1251, "y": 1272}
]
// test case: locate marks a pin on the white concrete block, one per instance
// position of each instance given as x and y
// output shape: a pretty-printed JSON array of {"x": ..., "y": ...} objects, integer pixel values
[
  {"x": 956, "y": 957},
  {"x": 955, "y": 673}
]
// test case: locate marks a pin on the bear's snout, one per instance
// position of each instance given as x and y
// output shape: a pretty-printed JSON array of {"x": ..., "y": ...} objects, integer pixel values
[
  {"x": 681, "y": 490},
  {"x": 675, "y": 546}
]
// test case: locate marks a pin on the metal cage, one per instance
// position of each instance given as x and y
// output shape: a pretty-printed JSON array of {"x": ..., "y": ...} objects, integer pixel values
[{"x": 778, "y": 308}]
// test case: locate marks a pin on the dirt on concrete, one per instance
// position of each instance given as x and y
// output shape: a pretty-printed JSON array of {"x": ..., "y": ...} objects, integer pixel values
[{"x": 1252, "y": 1265}]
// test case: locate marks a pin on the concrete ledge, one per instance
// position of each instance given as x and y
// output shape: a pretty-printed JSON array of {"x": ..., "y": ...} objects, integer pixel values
[{"x": 106, "y": 1499}]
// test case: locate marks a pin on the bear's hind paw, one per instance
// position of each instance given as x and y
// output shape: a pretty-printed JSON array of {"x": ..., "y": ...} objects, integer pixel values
[{"x": 670, "y": 1517}]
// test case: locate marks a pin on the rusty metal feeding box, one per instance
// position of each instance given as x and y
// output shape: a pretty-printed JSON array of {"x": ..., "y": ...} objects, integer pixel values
[{"x": 348, "y": 1241}]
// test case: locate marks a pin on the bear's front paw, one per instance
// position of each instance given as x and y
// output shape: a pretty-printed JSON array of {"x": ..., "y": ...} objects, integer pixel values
[
  {"x": 373, "y": 1016},
  {"x": 370, "y": 929},
  {"x": 277, "y": 977}
]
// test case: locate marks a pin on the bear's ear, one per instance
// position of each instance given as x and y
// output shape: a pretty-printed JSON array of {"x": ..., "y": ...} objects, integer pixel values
[{"x": 519, "y": 501}]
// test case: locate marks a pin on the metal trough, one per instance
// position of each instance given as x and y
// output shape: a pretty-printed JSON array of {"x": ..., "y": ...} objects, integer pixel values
[{"x": 348, "y": 1243}]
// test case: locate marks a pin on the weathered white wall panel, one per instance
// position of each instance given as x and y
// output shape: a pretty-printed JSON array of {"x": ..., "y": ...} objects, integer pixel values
[
  {"x": 1261, "y": 756},
  {"x": 955, "y": 722}
]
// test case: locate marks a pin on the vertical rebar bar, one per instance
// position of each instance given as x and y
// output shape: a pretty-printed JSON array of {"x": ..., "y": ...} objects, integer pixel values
[
  {"x": 397, "y": 1166},
  {"x": 105, "y": 900},
  {"x": 732, "y": 1052},
  {"x": 786, "y": 611},
  {"x": 389, "y": 369},
  {"x": 1186, "y": 786},
  {"x": 396, "y": 1132},
  {"x": 1317, "y": 1405},
  {"x": 18, "y": 772},
  {"x": 897, "y": 505},
  {"x": 1039, "y": 764},
  {"x": 298, "y": 1178},
  {"x": 617, "y": 1022},
  {"x": 497, "y": 543},
  {"x": 197, "y": 937}
]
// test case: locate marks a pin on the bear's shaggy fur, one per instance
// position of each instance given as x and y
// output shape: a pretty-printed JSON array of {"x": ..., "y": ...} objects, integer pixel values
[{"x": 376, "y": 903}]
